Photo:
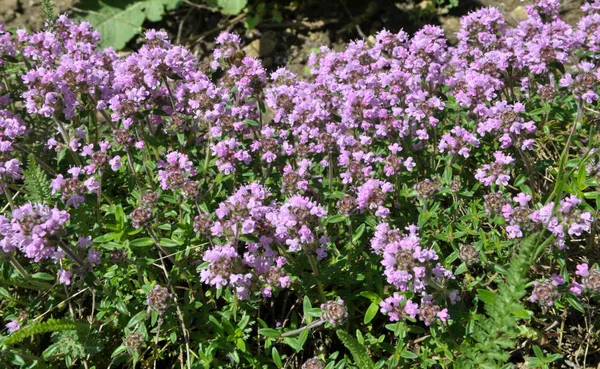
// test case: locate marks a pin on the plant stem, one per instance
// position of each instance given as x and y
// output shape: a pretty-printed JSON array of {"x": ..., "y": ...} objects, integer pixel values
[
  {"x": 8, "y": 195},
  {"x": 18, "y": 266},
  {"x": 315, "y": 269},
  {"x": 132, "y": 169},
  {"x": 70, "y": 253},
  {"x": 312, "y": 325}
]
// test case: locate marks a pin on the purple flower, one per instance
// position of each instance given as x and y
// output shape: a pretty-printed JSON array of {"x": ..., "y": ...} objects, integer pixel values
[
  {"x": 496, "y": 172},
  {"x": 590, "y": 280},
  {"x": 64, "y": 276},
  {"x": 459, "y": 141},
  {"x": 33, "y": 230},
  {"x": 13, "y": 326},
  {"x": 175, "y": 172},
  {"x": 115, "y": 163}
]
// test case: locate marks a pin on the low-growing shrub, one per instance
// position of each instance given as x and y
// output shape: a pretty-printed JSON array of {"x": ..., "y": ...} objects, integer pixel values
[{"x": 410, "y": 204}]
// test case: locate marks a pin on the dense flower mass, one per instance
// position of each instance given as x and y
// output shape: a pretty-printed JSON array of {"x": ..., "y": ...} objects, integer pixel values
[
  {"x": 251, "y": 196},
  {"x": 34, "y": 229}
]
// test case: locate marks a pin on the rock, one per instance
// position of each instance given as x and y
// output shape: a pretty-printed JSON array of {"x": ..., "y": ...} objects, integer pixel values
[
  {"x": 253, "y": 49},
  {"x": 451, "y": 26},
  {"x": 268, "y": 42},
  {"x": 8, "y": 7},
  {"x": 517, "y": 15},
  {"x": 262, "y": 47}
]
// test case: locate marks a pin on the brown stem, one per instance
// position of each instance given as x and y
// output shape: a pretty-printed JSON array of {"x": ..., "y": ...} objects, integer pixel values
[{"x": 70, "y": 253}]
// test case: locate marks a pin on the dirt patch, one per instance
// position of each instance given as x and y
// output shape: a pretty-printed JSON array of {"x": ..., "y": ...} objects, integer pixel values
[{"x": 28, "y": 13}]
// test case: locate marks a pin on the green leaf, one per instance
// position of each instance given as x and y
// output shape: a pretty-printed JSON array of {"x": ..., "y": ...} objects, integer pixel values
[
  {"x": 301, "y": 340},
  {"x": 141, "y": 242},
  {"x": 137, "y": 318},
  {"x": 538, "y": 351},
  {"x": 553, "y": 358},
  {"x": 574, "y": 302},
  {"x": 251, "y": 123},
  {"x": 358, "y": 233},
  {"x": 118, "y": 21},
  {"x": 269, "y": 332},
  {"x": 408, "y": 354},
  {"x": 336, "y": 218},
  {"x": 370, "y": 295},
  {"x": 276, "y": 357},
  {"x": 167, "y": 242},
  {"x": 240, "y": 344},
  {"x": 104, "y": 238},
  {"x": 306, "y": 306},
  {"x": 250, "y": 238},
  {"x": 371, "y": 312},
  {"x": 232, "y": 7},
  {"x": 119, "y": 350},
  {"x": 43, "y": 276}
]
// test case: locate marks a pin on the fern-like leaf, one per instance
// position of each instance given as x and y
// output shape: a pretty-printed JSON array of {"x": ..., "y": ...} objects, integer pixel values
[
  {"x": 36, "y": 182},
  {"x": 51, "y": 325},
  {"x": 48, "y": 9},
  {"x": 495, "y": 335},
  {"x": 358, "y": 351}
]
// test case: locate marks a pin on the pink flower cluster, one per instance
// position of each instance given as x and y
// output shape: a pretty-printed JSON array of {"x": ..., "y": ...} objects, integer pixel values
[
  {"x": 34, "y": 230},
  {"x": 410, "y": 268},
  {"x": 589, "y": 280},
  {"x": 11, "y": 127},
  {"x": 364, "y": 120},
  {"x": 264, "y": 227},
  {"x": 547, "y": 291}
]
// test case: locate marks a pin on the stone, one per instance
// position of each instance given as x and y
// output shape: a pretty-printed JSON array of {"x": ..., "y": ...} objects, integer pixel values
[
  {"x": 517, "y": 15},
  {"x": 252, "y": 49},
  {"x": 268, "y": 42},
  {"x": 451, "y": 26},
  {"x": 8, "y": 6}
]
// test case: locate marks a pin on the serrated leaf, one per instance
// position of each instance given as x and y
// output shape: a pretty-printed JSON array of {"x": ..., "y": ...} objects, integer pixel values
[
  {"x": 51, "y": 325},
  {"x": 486, "y": 296},
  {"x": 36, "y": 182},
  {"x": 358, "y": 351}
]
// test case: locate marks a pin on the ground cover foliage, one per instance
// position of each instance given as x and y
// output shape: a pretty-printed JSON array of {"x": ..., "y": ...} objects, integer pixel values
[{"x": 410, "y": 204}]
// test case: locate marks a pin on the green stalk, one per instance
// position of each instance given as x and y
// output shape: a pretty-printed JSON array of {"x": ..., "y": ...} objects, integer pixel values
[{"x": 315, "y": 269}]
